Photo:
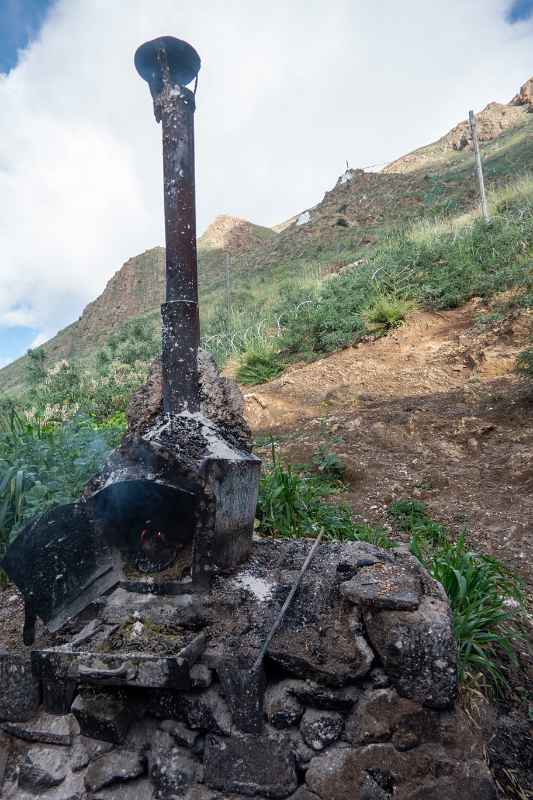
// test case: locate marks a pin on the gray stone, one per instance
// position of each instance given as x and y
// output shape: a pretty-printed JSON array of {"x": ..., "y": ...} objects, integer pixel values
[
  {"x": 244, "y": 690},
  {"x": 181, "y": 734},
  {"x": 132, "y": 790},
  {"x": 250, "y": 765},
  {"x": 328, "y": 653},
  {"x": 85, "y": 750},
  {"x": 312, "y": 694},
  {"x": 208, "y": 712},
  {"x": 42, "y": 768},
  {"x": 303, "y": 793},
  {"x": 282, "y": 708},
  {"x": 418, "y": 651},
  {"x": 5, "y": 747},
  {"x": 201, "y": 676},
  {"x": 320, "y": 728},
  {"x": 19, "y": 689},
  {"x": 103, "y": 715},
  {"x": 378, "y": 715},
  {"x": 117, "y": 766},
  {"x": 383, "y": 585},
  {"x": 425, "y": 773},
  {"x": 172, "y": 769},
  {"x": 45, "y": 729},
  {"x": 371, "y": 790}
]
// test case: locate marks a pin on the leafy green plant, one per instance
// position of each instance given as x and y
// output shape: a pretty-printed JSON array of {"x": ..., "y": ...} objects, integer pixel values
[
  {"x": 486, "y": 599},
  {"x": 387, "y": 311},
  {"x": 259, "y": 365},
  {"x": 328, "y": 463},
  {"x": 43, "y": 464},
  {"x": 524, "y": 363},
  {"x": 292, "y": 504}
]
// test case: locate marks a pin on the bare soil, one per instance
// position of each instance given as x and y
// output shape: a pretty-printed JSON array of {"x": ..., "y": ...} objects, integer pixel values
[{"x": 432, "y": 411}]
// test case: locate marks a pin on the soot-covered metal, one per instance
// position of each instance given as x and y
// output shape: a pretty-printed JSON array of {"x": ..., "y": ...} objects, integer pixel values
[{"x": 175, "y": 504}]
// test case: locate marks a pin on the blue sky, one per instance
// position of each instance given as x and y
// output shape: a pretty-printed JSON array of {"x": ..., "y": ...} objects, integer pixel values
[
  {"x": 20, "y": 21},
  {"x": 80, "y": 171},
  {"x": 519, "y": 11}
]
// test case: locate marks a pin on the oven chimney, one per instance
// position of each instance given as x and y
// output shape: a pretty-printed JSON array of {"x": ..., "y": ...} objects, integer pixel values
[{"x": 168, "y": 65}]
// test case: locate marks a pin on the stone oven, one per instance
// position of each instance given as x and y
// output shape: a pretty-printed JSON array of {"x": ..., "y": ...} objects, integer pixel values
[{"x": 175, "y": 504}]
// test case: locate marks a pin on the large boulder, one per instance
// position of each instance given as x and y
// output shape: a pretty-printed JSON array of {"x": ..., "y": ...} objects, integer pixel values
[
  {"x": 418, "y": 650},
  {"x": 250, "y": 765},
  {"x": 343, "y": 773}
]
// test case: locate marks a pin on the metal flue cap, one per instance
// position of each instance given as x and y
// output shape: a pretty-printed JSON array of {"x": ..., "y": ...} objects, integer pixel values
[{"x": 182, "y": 59}]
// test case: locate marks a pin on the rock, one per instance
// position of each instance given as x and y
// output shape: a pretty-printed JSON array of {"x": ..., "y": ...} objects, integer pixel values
[
  {"x": 383, "y": 585},
  {"x": 181, "y": 734},
  {"x": 132, "y": 790},
  {"x": 511, "y": 751},
  {"x": 370, "y": 789},
  {"x": 303, "y": 793},
  {"x": 331, "y": 655},
  {"x": 172, "y": 770},
  {"x": 5, "y": 747},
  {"x": 378, "y": 715},
  {"x": 342, "y": 773},
  {"x": 244, "y": 690},
  {"x": 201, "y": 676},
  {"x": 250, "y": 765},
  {"x": 117, "y": 766},
  {"x": 103, "y": 715},
  {"x": 45, "y": 729},
  {"x": 418, "y": 651},
  {"x": 220, "y": 401},
  {"x": 282, "y": 708},
  {"x": 208, "y": 712},
  {"x": 312, "y": 694},
  {"x": 19, "y": 690},
  {"x": 378, "y": 679},
  {"x": 525, "y": 95},
  {"x": 42, "y": 768},
  {"x": 321, "y": 728},
  {"x": 85, "y": 750}
]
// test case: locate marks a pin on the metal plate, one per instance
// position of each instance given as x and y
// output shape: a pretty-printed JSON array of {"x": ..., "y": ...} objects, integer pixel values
[{"x": 59, "y": 565}]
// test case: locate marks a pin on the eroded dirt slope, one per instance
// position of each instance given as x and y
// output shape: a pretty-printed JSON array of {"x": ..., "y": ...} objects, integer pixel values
[{"x": 432, "y": 411}]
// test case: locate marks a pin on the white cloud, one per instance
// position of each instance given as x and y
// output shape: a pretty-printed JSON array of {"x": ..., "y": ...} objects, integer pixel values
[{"x": 287, "y": 93}]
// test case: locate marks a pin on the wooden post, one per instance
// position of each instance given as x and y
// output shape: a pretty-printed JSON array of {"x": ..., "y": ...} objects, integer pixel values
[
  {"x": 473, "y": 132},
  {"x": 228, "y": 288}
]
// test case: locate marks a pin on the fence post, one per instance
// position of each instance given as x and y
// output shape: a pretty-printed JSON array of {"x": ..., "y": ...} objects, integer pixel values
[
  {"x": 228, "y": 288},
  {"x": 473, "y": 133}
]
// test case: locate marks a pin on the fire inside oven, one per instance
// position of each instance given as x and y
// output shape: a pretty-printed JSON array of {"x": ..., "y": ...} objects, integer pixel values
[{"x": 151, "y": 523}]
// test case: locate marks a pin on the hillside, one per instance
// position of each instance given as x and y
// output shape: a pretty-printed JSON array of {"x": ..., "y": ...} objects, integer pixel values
[{"x": 353, "y": 217}]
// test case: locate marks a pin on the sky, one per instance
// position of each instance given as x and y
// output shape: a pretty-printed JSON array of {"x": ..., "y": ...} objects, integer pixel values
[{"x": 288, "y": 92}]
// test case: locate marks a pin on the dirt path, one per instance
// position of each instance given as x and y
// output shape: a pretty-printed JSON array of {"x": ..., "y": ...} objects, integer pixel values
[{"x": 432, "y": 411}]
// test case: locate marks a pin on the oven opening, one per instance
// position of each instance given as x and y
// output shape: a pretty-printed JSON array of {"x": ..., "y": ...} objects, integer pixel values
[{"x": 152, "y": 524}]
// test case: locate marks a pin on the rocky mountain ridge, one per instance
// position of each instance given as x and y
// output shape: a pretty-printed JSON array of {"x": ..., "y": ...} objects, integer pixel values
[{"x": 351, "y": 216}]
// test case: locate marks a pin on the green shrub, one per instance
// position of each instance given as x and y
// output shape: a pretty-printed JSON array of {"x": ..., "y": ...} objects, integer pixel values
[
  {"x": 435, "y": 265},
  {"x": 45, "y": 464},
  {"x": 259, "y": 365},
  {"x": 328, "y": 463},
  {"x": 486, "y": 599},
  {"x": 524, "y": 363},
  {"x": 387, "y": 311},
  {"x": 292, "y": 505}
]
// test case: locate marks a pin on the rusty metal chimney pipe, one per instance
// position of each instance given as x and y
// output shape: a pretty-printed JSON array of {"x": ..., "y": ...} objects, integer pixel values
[{"x": 168, "y": 64}]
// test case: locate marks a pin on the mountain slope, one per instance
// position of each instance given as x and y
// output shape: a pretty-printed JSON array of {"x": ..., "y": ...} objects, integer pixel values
[{"x": 355, "y": 214}]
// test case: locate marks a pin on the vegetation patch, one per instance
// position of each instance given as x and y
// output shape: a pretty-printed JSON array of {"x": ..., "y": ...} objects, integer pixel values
[
  {"x": 487, "y": 601},
  {"x": 292, "y": 504}
]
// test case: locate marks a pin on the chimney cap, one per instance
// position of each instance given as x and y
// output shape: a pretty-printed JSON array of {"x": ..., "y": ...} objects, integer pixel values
[{"x": 182, "y": 59}]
